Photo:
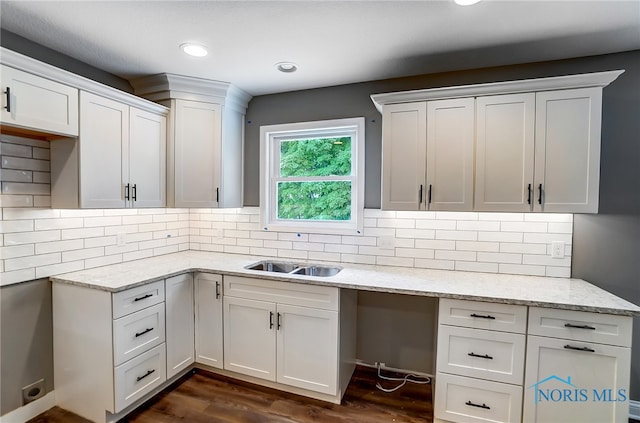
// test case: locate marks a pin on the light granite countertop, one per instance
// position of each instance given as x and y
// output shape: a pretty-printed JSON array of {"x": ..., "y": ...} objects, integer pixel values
[{"x": 561, "y": 293}]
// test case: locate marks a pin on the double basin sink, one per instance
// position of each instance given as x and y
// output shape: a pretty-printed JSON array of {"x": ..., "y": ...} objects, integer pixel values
[{"x": 294, "y": 268}]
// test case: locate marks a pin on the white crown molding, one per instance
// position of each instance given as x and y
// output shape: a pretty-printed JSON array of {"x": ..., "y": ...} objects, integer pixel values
[
  {"x": 167, "y": 86},
  {"x": 27, "y": 64},
  {"x": 596, "y": 79}
]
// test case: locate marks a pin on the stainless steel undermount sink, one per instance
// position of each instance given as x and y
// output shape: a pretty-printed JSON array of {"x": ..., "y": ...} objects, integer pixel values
[{"x": 294, "y": 268}]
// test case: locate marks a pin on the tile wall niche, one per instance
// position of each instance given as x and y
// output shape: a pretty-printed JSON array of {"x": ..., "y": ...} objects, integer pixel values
[
  {"x": 25, "y": 175},
  {"x": 513, "y": 243}
]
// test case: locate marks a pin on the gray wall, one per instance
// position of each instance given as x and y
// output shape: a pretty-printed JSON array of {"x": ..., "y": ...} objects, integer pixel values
[
  {"x": 26, "y": 340},
  {"x": 606, "y": 247},
  {"x": 29, "y": 48}
]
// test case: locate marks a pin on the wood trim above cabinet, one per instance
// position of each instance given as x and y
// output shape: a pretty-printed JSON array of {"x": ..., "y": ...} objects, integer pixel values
[{"x": 595, "y": 79}]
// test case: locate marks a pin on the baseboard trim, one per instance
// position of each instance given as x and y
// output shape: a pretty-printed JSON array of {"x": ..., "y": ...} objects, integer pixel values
[
  {"x": 31, "y": 410},
  {"x": 634, "y": 410}
]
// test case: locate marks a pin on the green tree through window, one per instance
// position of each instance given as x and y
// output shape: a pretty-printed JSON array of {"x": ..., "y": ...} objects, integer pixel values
[{"x": 315, "y": 200}]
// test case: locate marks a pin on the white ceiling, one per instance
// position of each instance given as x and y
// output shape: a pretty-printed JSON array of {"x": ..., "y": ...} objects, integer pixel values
[{"x": 333, "y": 42}]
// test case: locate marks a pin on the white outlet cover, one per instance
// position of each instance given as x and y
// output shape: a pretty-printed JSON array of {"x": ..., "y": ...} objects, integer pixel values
[
  {"x": 557, "y": 249},
  {"x": 386, "y": 242}
]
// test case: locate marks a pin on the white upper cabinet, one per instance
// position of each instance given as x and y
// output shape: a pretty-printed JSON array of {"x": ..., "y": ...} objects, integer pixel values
[
  {"x": 504, "y": 152},
  {"x": 34, "y": 103},
  {"x": 205, "y": 152},
  {"x": 122, "y": 155},
  {"x": 450, "y": 131},
  {"x": 197, "y": 148},
  {"x": 536, "y": 141},
  {"x": 147, "y": 158},
  {"x": 404, "y": 134},
  {"x": 104, "y": 147},
  {"x": 567, "y": 158}
]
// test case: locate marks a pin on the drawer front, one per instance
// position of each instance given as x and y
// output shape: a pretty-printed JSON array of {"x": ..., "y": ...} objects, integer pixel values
[
  {"x": 496, "y": 356},
  {"x": 459, "y": 398},
  {"x": 136, "y": 378},
  {"x": 138, "y": 332},
  {"x": 581, "y": 326},
  {"x": 134, "y": 299},
  {"x": 300, "y": 294},
  {"x": 481, "y": 315}
]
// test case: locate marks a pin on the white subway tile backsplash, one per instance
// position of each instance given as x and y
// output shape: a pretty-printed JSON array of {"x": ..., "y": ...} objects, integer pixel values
[
  {"x": 22, "y": 188},
  {"x": 31, "y": 237},
  {"x": 58, "y": 246},
  {"x": 548, "y": 217},
  {"x": 11, "y": 175},
  {"x": 16, "y": 200},
  {"x": 47, "y": 242},
  {"x": 16, "y": 150},
  {"x": 500, "y": 257},
  {"x": 435, "y": 264},
  {"x": 41, "y": 178},
  {"x": 41, "y": 201},
  {"x": 470, "y": 266},
  {"x": 61, "y": 223},
  {"x": 477, "y": 246},
  {"x": 455, "y": 255},
  {"x": 25, "y": 164}
]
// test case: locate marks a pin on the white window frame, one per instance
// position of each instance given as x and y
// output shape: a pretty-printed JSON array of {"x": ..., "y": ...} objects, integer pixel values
[{"x": 270, "y": 137}]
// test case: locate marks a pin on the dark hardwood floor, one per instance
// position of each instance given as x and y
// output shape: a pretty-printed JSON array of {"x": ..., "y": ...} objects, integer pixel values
[{"x": 206, "y": 397}]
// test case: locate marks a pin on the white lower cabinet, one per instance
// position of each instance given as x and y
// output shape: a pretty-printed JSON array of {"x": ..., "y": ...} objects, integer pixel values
[
  {"x": 480, "y": 361},
  {"x": 574, "y": 376},
  {"x": 109, "y": 348},
  {"x": 576, "y": 366},
  {"x": 180, "y": 323},
  {"x": 282, "y": 338},
  {"x": 208, "y": 309},
  {"x": 463, "y": 399}
]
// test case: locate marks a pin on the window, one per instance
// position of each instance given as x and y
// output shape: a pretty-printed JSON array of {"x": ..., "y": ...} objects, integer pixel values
[{"x": 312, "y": 176}]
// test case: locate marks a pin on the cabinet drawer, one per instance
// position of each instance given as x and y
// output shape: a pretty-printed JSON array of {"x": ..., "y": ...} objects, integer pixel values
[
  {"x": 134, "y": 299},
  {"x": 460, "y": 398},
  {"x": 300, "y": 294},
  {"x": 481, "y": 315},
  {"x": 581, "y": 326},
  {"x": 479, "y": 353},
  {"x": 139, "y": 376},
  {"x": 138, "y": 332}
]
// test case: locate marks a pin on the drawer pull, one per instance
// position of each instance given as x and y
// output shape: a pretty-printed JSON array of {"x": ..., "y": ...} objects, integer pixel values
[
  {"x": 485, "y": 406},
  {"x": 217, "y": 290},
  {"x": 569, "y": 325},
  {"x": 147, "y": 330},
  {"x": 487, "y": 356},
  {"x": 271, "y": 320},
  {"x": 587, "y": 349},
  {"x": 279, "y": 324},
  {"x": 481, "y": 316},
  {"x": 8, "y": 93},
  {"x": 139, "y": 378},
  {"x": 144, "y": 297}
]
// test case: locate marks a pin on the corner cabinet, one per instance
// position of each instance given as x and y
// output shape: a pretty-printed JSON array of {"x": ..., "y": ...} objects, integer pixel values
[
  {"x": 206, "y": 139},
  {"x": 536, "y": 142},
  {"x": 37, "y": 104}
]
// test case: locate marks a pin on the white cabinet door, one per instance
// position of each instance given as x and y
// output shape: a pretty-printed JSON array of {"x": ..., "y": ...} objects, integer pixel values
[
  {"x": 209, "y": 347},
  {"x": 450, "y": 137},
  {"x": 567, "y": 159},
  {"x": 104, "y": 146},
  {"x": 249, "y": 337},
  {"x": 573, "y": 381},
  {"x": 197, "y": 157},
  {"x": 404, "y": 134},
  {"x": 180, "y": 323},
  {"x": 504, "y": 152},
  {"x": 307, "y": 345},
  {"x": 147, "y": 158},
  {"x": 36, "y": 103}
]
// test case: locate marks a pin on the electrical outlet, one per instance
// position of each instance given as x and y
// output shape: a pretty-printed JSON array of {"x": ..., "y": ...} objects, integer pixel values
[
  {"x": 33, "y": 392},
  {"x": 557, "y": 249},
  {"x": 121, "y": 239}
]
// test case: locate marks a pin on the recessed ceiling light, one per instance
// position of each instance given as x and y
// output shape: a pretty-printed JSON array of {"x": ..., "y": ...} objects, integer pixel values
[
  {"x": 195, "y": 50},
  {"x": 286, "y": 67},
  {"x": 466, "y": 2}
]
